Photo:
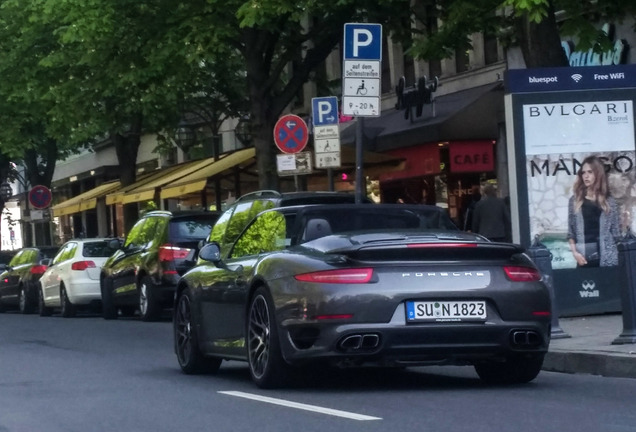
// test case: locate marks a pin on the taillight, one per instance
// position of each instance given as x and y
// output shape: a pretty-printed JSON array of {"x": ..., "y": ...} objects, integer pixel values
[
  {"x": 38, "y": 269},
  {"x": 441, "y": 245},
  {"x": 358, "y": 275},
  {"x": 82, "y": 265},
  {"x": 522, "y": 274},
  {"x": 169, "y": 252}
]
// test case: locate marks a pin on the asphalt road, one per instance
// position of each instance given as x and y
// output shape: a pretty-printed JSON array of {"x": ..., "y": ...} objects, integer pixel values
[{"x": 87, "y": 374}]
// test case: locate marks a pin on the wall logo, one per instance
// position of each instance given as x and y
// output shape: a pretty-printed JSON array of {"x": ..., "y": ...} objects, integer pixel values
[
  {"x": 589, "y": 289},
  {"x": 576, "y": 77}
]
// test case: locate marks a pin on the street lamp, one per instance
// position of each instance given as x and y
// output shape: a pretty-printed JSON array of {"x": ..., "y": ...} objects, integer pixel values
[
  {"x": 185, "y": 136},
  {"x": 6, "y": 191}
]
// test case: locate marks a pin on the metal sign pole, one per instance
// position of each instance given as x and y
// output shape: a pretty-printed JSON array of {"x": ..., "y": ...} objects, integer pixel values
[{"x": 360, "y": 183}]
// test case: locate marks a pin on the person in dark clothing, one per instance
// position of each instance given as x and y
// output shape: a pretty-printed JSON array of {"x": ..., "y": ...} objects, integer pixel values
[
  {"x": 492, "y": 217},
  {"x": 469, "y": 208}
]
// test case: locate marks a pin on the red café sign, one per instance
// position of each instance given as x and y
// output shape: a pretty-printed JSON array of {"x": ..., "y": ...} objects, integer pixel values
[{"x": 471, "y": 156}]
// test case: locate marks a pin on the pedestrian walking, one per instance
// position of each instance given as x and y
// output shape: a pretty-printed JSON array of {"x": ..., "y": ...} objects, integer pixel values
[{"x": 492, "y": 216}]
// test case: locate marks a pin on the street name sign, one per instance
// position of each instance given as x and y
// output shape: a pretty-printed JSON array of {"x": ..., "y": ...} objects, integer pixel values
[{"x": 362, "y": 70}]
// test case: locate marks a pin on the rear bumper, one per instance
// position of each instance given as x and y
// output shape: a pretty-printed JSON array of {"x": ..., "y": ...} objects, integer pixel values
[
  {"x": 83, "y": 291},
  {"x": 399, "y": 343}
]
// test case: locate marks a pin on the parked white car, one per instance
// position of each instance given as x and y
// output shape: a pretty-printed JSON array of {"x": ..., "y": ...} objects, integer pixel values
[{"x": 72, "y": 279}]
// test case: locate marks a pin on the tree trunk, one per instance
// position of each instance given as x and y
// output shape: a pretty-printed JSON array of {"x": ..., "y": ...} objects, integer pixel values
[
  {"x": 541, "y": 43},
  {"x": 127, "y": 149}
]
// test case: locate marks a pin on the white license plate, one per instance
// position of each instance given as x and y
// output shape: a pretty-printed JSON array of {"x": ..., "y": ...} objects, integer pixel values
[{"x": 445, "y": 311}]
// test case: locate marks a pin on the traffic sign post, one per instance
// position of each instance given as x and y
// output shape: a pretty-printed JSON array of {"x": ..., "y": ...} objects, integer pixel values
[
  {"x": 361, "y": 83},
  {"x": 291, "y": 134},
  {"x": 326, "y": 132},
  {"x": 362, "y": 70}
]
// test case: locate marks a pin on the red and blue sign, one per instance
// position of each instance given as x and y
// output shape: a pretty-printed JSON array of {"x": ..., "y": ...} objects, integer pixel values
[
  {"x": 40, "y": 197},
  {"x": 291, "y": 134}
]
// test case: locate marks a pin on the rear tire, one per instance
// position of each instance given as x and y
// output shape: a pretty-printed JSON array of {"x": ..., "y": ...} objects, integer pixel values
[
  {"x": 267, "y": 366},
  {"x": 24, "y": 303},
  {"x": 517, "y": 369},
  {"x": 109, "y": 311},
  {"x": 68, "y": 309},
  {"x": 149, "y": 308},
  {"x": 186, "y": 341},
  {"x": 42, "y": 307}
]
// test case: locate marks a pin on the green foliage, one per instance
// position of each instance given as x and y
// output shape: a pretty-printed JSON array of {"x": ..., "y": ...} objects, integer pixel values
[{"x": 459, "y": 19}]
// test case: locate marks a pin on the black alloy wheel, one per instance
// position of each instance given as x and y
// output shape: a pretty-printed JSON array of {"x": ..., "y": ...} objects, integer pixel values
[
  {"x": 267, "y": 366},
  {"x": 186, "y": 344},
  {"x": 149, "y": 307},
  {"x": 24, "y": 304}
]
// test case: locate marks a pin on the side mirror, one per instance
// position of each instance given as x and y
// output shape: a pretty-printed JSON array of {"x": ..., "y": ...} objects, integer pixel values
[
  {"x": 45, "y": 262},
  {"x": 211, "y": 252}
]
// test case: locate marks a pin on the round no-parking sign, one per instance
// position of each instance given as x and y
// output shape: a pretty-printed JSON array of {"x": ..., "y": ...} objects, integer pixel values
[
  {"x": 40, "y": 197},
  {"x": 291, "y": 134}
]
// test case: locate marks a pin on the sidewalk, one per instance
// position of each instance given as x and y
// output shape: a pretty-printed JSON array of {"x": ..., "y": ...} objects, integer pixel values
[{"x": 589, "y": 350}]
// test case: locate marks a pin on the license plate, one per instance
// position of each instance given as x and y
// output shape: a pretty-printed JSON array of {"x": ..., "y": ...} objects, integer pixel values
[{"x": 441, "y": 311}]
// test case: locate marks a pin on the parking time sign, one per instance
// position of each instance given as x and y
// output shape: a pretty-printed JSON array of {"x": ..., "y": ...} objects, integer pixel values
[{"x": 362, "y": 70}]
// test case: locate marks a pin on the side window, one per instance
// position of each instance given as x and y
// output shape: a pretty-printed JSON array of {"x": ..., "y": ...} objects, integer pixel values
[
  {"x": 16, "y": 259},
  {"x": 61, "y": 255},
  {"x": 155, "y": 231},
  {"x": 30, "y": 256},
  {"x": 70, "y": 253},
  {"x": 240, "y": 218},
  {"x": 266, "y": 234},
  {"x": 220, "y": 227},
  {"x": 133, "y": 239}
]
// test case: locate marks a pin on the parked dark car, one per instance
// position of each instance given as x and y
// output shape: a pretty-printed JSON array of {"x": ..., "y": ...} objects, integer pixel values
[
  {"x": 18, "y": 281},
  {"x": 348, "y": 285},
  {"x": 143, "y": 273}
]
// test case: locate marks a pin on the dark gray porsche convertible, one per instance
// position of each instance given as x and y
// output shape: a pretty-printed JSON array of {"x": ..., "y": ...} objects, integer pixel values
[{"x": 348, "y": 285}]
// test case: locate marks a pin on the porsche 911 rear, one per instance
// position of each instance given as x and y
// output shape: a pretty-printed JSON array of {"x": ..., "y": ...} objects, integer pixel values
[{"x": 421, "y": 300}]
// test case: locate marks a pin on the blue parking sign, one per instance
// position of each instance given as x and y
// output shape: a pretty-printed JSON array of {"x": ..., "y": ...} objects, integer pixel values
[
  {"x": 362, "y": 41},
  {"x": 324, "y": 110}
]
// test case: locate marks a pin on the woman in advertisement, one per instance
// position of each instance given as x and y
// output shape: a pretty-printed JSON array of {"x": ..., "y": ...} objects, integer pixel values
[{"x": 593, "y": 217}]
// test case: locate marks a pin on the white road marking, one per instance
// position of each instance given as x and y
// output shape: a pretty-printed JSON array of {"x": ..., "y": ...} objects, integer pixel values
[{"x": 290, "y": 404}]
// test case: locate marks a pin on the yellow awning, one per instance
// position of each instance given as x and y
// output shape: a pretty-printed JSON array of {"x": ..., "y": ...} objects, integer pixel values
[
  {"x": 197, "y": 180},
  {"x": 146, "y": 190},
  {"x": 84, "y": 201},
  {"x": 142, "y": 179}
]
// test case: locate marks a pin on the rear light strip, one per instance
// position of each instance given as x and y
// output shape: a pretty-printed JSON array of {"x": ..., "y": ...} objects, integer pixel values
[
  {"x": 38, "y": 269},
  {"x": 168, "y": 252},
  {"x": 344, "y": 276},
  {"x": 82, "y": 265},
  {"x": 441, "y": 245},
  {"x": 522, "y": 274}
]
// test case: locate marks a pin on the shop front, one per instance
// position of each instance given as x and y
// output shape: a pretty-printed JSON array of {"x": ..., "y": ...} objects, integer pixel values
[{"x": 444, "y": 174}]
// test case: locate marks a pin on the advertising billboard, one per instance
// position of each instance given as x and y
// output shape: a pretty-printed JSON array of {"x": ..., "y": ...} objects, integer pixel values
[{"x": 574, "y": 156}]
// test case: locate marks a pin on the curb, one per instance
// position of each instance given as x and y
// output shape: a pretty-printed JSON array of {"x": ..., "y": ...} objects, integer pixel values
[{"x": 576, "y": 362}]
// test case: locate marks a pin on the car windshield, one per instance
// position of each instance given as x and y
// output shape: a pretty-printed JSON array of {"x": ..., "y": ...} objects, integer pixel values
[
  {"x": 336, "y": 220},
  {"x": 97, "y": 249}
]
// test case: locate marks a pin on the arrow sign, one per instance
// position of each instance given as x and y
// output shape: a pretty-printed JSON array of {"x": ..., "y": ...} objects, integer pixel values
[{"x": 290, "y": 134}]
